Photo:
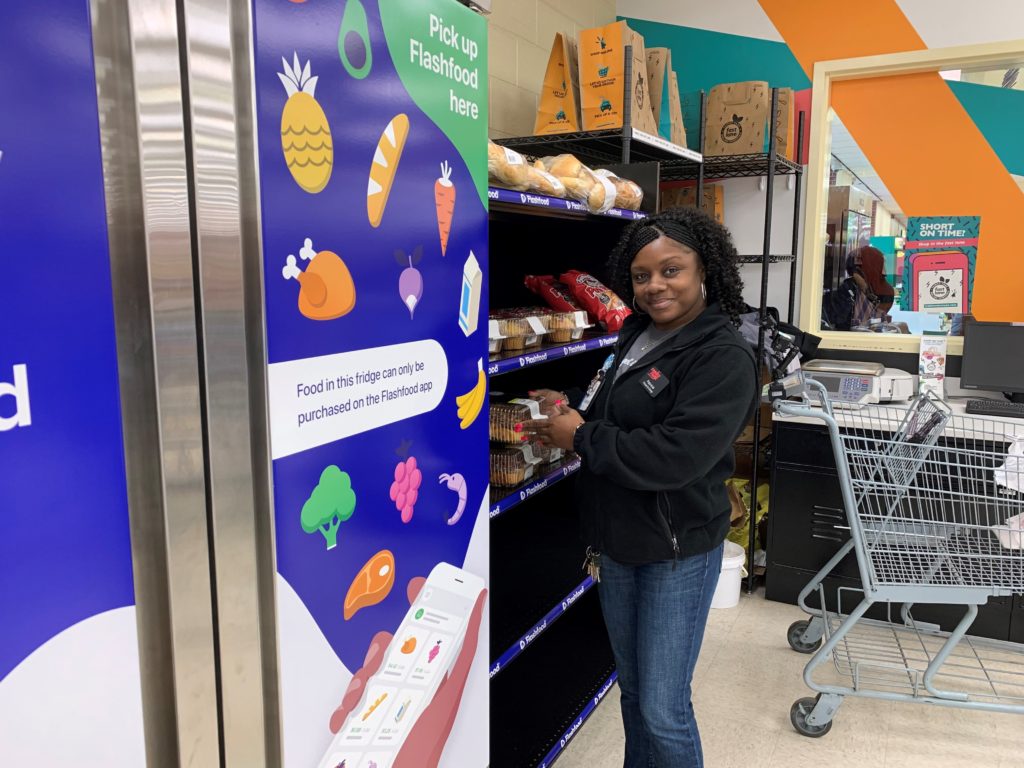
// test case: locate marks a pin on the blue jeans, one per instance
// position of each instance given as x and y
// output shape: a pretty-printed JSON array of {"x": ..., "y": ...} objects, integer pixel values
[{"x": 656, "y": 615}]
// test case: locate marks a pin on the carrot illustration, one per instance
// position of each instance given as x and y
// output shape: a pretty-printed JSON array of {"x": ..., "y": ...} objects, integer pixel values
[{"x": 444, "y": 199}]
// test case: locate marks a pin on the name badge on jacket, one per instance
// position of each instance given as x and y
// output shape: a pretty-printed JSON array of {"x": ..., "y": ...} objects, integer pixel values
[{"x": 654, "y": 381}]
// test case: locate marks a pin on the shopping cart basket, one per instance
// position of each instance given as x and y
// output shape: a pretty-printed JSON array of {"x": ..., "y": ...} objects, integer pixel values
[{"x": 932, "y": 503}]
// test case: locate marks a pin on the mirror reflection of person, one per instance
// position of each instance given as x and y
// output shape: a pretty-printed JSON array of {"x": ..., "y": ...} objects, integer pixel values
[{"x": 864, "y": 295}]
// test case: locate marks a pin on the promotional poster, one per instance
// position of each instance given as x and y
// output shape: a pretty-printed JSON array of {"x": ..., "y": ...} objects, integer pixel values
[
  {"x": 940, "y": 259},
  {"x": 371, "y": 122},
  {"x": 70, "y": 691}
]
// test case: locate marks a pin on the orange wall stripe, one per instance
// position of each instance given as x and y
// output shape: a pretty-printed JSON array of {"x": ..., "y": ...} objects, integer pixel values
[{"x": 917, "y": 136}]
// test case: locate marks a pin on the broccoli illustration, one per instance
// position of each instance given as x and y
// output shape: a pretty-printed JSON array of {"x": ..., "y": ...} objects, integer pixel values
[{"x": 330, "y": 504}]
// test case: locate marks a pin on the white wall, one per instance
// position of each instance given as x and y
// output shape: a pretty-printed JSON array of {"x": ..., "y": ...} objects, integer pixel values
[
  {"x": 519, "y": 41},
  {"x": 744, "y": 216}
]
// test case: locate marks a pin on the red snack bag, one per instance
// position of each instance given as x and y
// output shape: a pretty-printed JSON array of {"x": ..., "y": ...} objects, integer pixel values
[
  {"x": 556, "y": 294},
  {"x": 602, "y": 304}
]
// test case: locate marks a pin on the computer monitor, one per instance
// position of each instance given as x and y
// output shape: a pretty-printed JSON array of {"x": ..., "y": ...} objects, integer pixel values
[{"x": 994, "y": 358}]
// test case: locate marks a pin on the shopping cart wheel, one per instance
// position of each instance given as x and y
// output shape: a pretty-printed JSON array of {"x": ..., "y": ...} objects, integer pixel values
[
  {"x": 795, "y": 634},
  {"x": 798, "y": 716}
]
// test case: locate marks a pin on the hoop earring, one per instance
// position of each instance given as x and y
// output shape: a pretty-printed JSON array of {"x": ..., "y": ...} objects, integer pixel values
[
  {"x": 636, "y": 308},
  {"x": 703, "y": 292}
]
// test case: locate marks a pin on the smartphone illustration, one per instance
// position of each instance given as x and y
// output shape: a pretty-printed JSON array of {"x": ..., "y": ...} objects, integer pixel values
[
  {"x": 940, "y": 282},
  {"x": 420, "y": 656}
]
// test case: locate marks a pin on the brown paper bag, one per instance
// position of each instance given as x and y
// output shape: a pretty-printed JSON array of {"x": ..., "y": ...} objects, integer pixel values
[
  {"x": 659, "y": 64},
  {"x": 677, "y": 131},
  {"x": 602, "y": 68},
  {"x": 559, "y": 110},
  {"x": 736, "y": 118},
  {"x": 785, "y": 124}
]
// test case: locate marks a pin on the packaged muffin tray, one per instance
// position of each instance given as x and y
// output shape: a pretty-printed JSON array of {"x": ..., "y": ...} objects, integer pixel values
[
  {"x": 520, "y": 328},
  {"x": 504, "y": 417},
  {"x": 512, "y": 465}
]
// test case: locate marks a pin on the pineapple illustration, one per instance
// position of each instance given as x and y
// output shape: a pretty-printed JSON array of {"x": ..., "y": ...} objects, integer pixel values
[{"x": 305, "y": 134}]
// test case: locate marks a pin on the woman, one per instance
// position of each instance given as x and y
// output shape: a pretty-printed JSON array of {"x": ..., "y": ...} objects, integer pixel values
[
  {"x": 862, "y": 296},
  {"x": 655, "y": 432}
]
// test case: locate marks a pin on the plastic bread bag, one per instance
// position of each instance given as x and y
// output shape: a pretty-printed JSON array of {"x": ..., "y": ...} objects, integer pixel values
[
  {"x": 601, "y": 302},
  {"x": 507, "y": 168},
  {"x": 555, "y": 293},
  {"x": 628, "y": 194},
  {"x": 543, "y": 183},
  {"x": 581, "y": 183}
]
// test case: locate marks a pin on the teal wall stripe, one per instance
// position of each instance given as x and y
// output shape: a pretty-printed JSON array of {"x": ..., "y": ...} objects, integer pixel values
[
  {"x": 703, "y": 59},
  {"x": 999, "y": 115}
]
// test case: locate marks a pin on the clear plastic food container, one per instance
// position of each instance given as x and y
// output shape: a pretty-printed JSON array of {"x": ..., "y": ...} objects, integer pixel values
[
  {"x": 505, "y": 416},
  {"x": 512, "y": 465}
]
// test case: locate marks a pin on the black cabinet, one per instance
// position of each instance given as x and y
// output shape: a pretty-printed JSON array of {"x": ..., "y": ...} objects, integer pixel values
[{"x": 807, "y": 526}]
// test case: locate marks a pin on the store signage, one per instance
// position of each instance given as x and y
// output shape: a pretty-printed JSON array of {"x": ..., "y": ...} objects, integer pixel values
[
  {"x": 18, "y": 390},
  {"x": 372, "y": 131},
  {"x": 68, "y": 632}
]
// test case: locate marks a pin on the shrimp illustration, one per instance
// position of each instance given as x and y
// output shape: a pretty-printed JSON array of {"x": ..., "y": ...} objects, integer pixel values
[{"x": 456, "y": 483}]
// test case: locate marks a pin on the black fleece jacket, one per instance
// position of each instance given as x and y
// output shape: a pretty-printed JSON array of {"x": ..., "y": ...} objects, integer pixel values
[{"x": 651, "y": 487}]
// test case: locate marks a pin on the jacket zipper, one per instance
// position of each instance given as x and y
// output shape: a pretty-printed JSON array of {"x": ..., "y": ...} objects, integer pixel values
[{"x": 667, "y": 517}]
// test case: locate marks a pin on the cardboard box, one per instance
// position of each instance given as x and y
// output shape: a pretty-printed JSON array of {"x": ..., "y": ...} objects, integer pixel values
[
  {"x": 602, "y": 67},
  {"x": 736, "y": 118},
  {"x": 559, "y": 110},
  {"x": 686, "y": 197}
]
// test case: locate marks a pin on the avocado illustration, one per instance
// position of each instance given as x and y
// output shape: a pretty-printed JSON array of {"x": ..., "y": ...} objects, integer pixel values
[
  {"x": 640, "y": 91},
  {"x": 560, "y": 115},
  {"x": 602, "y": 43},
  {"x": 354, "y": 40}
]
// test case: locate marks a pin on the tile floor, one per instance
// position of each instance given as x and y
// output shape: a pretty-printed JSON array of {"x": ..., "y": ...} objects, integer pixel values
[{"x": 747, "y": 679}]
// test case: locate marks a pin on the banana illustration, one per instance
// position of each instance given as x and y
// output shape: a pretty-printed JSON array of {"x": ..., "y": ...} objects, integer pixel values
[{"x": 471, "y": 403}]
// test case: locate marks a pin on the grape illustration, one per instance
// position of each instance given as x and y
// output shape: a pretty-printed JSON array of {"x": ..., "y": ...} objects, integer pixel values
[{"x": 405, "y": 488}]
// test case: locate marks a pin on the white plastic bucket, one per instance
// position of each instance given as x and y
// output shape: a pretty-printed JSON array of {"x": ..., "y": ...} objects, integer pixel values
[{"x": 727, "y": 593}]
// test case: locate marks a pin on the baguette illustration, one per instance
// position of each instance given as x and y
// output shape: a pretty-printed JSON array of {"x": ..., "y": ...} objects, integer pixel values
[
  {"x": 372, "y": 584},
  {"x": 385, "y": 166}
]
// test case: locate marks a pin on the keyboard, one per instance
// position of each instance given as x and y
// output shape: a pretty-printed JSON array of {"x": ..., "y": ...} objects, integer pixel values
[{"x": 995, "y": 408}]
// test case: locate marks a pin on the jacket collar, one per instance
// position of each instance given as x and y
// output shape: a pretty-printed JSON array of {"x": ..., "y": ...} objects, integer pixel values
[{"x": 706, "y": 323}]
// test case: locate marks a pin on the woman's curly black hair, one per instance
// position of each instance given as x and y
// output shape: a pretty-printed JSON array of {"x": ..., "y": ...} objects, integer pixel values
[{"x": 714, "y": 247}]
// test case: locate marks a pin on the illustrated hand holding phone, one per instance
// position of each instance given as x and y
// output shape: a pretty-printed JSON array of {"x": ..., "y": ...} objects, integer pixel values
[
  {"x": 399, "y": 708},
  {"x": 941, "y": 282}
]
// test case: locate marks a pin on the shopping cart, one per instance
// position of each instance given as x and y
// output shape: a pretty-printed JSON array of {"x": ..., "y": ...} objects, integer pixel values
[{"x": 927, "y": 496}]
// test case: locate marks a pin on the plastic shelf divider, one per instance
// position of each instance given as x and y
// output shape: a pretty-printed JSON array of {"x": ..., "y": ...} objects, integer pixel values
[
  {"x": 588, "y": 710},
  {"x": 533, "y": 200},
  {"x": 523, "y": 492},
  {"x": 527, "y": 359},
  {"x": 538, "y": 629}
]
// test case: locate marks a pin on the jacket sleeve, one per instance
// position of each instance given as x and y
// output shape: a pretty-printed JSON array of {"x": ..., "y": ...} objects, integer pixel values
[{"x": 712, "y": 406}]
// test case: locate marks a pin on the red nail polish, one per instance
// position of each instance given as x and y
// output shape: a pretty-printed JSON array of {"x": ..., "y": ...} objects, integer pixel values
[
  {"x": 522, "y": 439},
  {"x": 518, "y": 427}
]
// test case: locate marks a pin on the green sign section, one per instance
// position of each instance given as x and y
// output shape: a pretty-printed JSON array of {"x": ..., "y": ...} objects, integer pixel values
[{"x": 440, "y": 52}]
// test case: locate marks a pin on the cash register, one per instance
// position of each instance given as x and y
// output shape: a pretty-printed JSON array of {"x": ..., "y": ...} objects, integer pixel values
[{"x": 994, "y": 360}]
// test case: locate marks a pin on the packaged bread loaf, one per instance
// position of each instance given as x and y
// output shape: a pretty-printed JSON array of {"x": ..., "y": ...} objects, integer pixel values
[
  {"x": 544, "y": 183},
  {"x": 628, "y": 194},
  {"x": 602, "y": 303},
  {"x": 507, "y": 168},
  {"x": 564, "y": 327},
  {"x": 555, "y": 293},
  {"x": 520, "y": 327},
  {"x": 581, "y": 183}
]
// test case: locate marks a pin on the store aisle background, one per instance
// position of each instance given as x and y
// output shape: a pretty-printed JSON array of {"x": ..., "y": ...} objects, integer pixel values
[{"x": 748, "y": 678}]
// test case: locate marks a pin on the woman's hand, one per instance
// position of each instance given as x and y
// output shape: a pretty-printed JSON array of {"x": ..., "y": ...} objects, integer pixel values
[
  {"x": 550, "y": 399},
  {"x": 558, "y": 429}
]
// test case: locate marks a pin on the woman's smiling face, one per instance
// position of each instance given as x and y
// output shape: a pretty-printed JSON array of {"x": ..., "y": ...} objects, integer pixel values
[{"x": 667, "y": 278}]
